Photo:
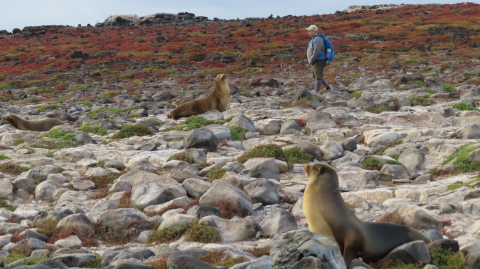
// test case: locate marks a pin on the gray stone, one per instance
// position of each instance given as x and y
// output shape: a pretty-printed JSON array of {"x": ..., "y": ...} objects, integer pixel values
[
  {"x": 133, "y": 265},
  {"x": 243, "y": 122},
  {"x": 271, "y": 128},
  {"x": 232, "y": 230},
  {"x": 279, "y": 221},
  {"x": 56, "y": 214},
  {"x": 332, "y": 150},
  {"x": 263, "y": 168},
  {"x": 201, "y": 138},
  {"x": 413, "y": 159},
  {"x": 196, "y": 187},
  {"x": 32, "y": 234},
  {"x": 383, "y": 139},
  {"x": 225, "y": 191},
  {"x": 83, "y": 185},
  {"x": 289, "y": 124},
  {"x": 41, "y": 253},
  {"x": 396, "y": 171},
  {"x": 6, "y": 188},
  {"x": 310, "y": 149},
  {"x": 413, "y": 252},
  {"x": 235, "y": 167},
  {"x": 264, "y": 262},
  {"x": 304, "y": 243},
  {"x": 262, "y": 191},
  {"x": 177, "y": 220},
  {"x": 137, "y": 253},
  {"x": 121, "y": 217},
  {"x": 314, "y": 116},
  {"x": 469, "y": 132},
  {"x": 82, "y": 138},
  {"x": 31, "y": 244},
  {"x": 349, "y": 144},
  {"x": 80, "y": 222},
  {"x": 83, "y": 165},
  {"x": 45, "y": 191},
  {"x": 75, "y": 260},
  {"x": 187, "y": 262},
  {"x": 156, "y": 192}
]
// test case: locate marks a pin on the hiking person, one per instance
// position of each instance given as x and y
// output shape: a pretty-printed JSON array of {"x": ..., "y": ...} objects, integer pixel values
[{"x": 317, "y": 57}]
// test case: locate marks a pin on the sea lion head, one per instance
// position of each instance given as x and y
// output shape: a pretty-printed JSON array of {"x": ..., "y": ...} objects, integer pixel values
[
  {"x": 12, "y": 119},
  {"x": 5, "y": 117},
  {"x": 220, "y": 78},
  {"x": 9, "y": 117},
  {"x": 322, "y": 175}
]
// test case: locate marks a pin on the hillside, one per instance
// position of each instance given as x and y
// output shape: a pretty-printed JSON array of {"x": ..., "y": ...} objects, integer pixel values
[
  {"x": 446, "y": 37},
  {"x": 120, "y": 184}
]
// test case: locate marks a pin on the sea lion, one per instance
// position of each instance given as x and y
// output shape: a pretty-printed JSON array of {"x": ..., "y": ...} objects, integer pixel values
[
  {"x": 328, "y": 214},
  {"x": 31, "y": 125},
  {"x": 217, "y": 99}
]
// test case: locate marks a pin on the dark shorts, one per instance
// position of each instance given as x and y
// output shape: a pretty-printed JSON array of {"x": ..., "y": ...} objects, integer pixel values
[{"x": 317, "y": 68}]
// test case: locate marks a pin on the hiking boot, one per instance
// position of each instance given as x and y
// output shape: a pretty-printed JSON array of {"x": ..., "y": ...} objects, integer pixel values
[{"x": 329, "y": 88}]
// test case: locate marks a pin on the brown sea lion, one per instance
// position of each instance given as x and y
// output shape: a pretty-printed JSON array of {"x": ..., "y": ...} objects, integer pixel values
[
  {"x": 217, "y": 99},
  {"x": 31, "y": 125},
  {"x": 327, "y": 214}
]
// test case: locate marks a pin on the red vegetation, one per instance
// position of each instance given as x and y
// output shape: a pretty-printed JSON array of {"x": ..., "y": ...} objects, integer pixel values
[{"x": 152, "y": 53}]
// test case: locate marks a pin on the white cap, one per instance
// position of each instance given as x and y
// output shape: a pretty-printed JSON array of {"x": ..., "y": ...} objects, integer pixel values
[{"x": 312, "y": 28}]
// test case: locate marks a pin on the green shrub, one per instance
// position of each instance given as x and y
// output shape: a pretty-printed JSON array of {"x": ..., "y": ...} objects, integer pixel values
[
  {"x": 419, "y": 101},
  {"x": 448, "y": 88},
  {"x": 446, "y": 258},
  {"x": 264, "y": 151},
  {"x": 215, "y": 173},
  {"x": 183, "y": 157},
  {"x": 94, "y": 263},
  {"x": 3, "y": 157},
  {"x": 356, "y": 94},
  {"x": 127, "y": 75},
  {"x": 5, "y": 86},
  {"x": 80, "y": 87},
  {"x": 462, "y": 163},
  {"x": 132, "y": 130},
  {"x": 11, "y": 168},
  {"x": 30, "y": 100},
  {"x": 383, "y": 107},
  {"x": 55, "y": 133},
  {"x": 167, "y": 235},
  {"x": 464, "y": 106},
  {"x": 5, "y": 205},
  {"x": 202, "y": 234},
  {"x": 294, "y": 155},
  {"x": 87, "y": 103},
  {"x": 154, "y": 122},
  {"x": 94, "y": 113},
  {"x": 237, "y": 133},
  {"x": 92, "y": 129},
  {"x": 419, "y": 83},
  {"x": 372, "y": 164}
]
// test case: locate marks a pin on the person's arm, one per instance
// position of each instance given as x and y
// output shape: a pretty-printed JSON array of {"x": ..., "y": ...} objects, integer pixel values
[{"x": 318, "y": 48}]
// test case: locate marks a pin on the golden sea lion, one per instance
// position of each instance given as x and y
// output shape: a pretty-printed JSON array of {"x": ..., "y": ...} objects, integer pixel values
[
  {"x": 327, "y": 214},
  {"x": 31, "y": 125},
  {"x": 217, "y": 99}
]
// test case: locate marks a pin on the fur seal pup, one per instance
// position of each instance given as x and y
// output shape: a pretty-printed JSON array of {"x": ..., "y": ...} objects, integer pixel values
[
  {"x": 31, "y": 125},
  {"x": 217, "y": 99},
  {"x": 327, "y": 214}
]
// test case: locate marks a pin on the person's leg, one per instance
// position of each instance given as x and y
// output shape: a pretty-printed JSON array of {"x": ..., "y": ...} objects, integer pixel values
[
  {"x": 318, "y": 84},
  {"x": 324, "y": 83}
]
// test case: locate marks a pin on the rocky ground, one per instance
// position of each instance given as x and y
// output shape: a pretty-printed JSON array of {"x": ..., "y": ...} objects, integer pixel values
[
  {"x": 120, "y": 185},
  {"x": 412, "y": 143}
]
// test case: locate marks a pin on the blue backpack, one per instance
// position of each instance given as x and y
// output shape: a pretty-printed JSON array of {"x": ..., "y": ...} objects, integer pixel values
[{"x": 330, "y": 53}]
